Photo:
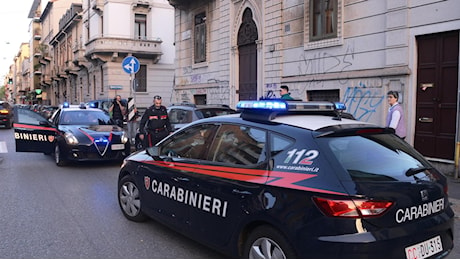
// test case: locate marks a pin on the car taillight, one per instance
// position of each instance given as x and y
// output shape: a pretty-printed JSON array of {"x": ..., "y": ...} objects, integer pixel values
[
  {"x": 352, "y": 208},
  {"x": 3, "y": 111}
]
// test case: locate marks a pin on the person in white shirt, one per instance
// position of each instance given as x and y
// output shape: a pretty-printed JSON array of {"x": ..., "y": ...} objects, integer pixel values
[{"x": 395, "y": 117}]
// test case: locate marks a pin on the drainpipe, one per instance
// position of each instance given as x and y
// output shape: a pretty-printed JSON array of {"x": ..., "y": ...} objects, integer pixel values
[{"x": 457, "y": 135}]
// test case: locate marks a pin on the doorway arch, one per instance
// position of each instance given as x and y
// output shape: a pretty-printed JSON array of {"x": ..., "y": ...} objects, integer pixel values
[{"x": 247, "y": 56}]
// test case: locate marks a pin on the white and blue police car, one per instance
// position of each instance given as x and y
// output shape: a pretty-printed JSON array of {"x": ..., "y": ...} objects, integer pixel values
[{"x": 291, "y": 179}]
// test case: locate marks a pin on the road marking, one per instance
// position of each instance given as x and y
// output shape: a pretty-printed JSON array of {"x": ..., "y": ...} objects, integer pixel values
[{"x": 3, "y": 148}]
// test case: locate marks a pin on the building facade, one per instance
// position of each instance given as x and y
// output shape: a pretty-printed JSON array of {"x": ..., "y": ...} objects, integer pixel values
[
  {"x": 78, "y": 56},
  {"x": 353, "y": 51}
]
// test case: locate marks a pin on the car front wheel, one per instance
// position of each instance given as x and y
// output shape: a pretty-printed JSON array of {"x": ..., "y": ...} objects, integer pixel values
[
  {"x": 58, "y": 156},
  {"x": 267, "y": 242},
  {"x": 129, "y": 200}
]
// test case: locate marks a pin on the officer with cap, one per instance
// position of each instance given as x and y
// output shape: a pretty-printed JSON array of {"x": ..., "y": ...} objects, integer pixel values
[{"x": 154, "y": 123}]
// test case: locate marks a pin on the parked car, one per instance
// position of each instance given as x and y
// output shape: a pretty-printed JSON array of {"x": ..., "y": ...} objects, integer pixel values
[
  {"x": 291, "y": 179},
  {"x": 73, "y": 133},
  {"x": 185, "y": 113},
  {"x": 48, "y": 111},
  {"x": 6, "y": 114}
]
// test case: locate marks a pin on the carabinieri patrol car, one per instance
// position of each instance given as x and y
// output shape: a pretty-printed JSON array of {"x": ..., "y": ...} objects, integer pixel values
[
  {"x": 73, "y": 133},
  {"x": 291, "y": 179}
]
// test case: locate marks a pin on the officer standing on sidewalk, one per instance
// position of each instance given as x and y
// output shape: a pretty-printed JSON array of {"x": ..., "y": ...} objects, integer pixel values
[{"x": 154, "y": 125}]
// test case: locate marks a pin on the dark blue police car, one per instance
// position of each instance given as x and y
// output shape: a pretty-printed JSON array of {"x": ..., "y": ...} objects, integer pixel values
[
  {"x": 291, "y": 179},
  {"x": 73, "y": 133}
]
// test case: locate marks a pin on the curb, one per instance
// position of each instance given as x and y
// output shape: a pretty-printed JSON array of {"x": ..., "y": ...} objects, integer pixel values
[{"x": 455, "y": 204}]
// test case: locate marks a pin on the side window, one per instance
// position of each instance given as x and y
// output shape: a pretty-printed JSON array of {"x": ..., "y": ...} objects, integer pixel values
[
  {"x": 180, "y": 116},
  {"x": 237, "y": 144},
  {"x": 192, "y": 143},
  {"x": 278, "y": 143},
  {"x": 27, "y": 116}
]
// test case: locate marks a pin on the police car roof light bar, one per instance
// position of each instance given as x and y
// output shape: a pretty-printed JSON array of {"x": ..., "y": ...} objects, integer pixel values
[
  {"x": 265, "y": 110},
  {"x": 66, "y": 105}
]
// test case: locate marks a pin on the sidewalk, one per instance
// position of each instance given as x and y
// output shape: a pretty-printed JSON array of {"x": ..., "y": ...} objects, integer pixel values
[{"x": 454, "y": 193}]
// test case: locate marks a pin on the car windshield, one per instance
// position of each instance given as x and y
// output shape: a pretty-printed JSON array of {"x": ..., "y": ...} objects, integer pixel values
[
  {"x": 378, "y": 157},
  {"x": 210, "y": 112},
  {"x": 85, "y": 117}
]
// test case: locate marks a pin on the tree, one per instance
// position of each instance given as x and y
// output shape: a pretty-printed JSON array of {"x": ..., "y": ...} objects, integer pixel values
[{"x": 2, "y": 92}]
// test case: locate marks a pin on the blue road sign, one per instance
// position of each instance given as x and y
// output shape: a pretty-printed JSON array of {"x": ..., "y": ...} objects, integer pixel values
[{"x": 130, "y": 64}]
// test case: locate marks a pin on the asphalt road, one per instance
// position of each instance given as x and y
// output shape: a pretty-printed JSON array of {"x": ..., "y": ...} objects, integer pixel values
[{"x": 72, "y": 212}]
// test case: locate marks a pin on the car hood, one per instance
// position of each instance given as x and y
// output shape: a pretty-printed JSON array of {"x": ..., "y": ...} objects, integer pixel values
[{"x": 88, "y": 134}]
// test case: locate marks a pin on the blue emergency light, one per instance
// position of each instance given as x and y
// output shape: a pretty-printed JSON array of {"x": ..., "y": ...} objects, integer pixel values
[
  {"x": 263, "y": 110},
  {"x": 66, "y": 105},
  {"x": 272, "y": 105}
]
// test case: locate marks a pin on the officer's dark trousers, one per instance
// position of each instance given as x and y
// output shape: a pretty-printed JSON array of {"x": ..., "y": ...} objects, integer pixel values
[{"x": 154, "y": 137}]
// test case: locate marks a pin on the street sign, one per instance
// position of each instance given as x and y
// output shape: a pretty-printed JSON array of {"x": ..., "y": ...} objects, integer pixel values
[
  {"x": 115, "y": 87},
  {"x": 130, "y": 65}
]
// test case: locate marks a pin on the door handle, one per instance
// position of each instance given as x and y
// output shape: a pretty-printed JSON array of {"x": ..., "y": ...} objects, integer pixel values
[
  {"x": 425, "y": 119},
  {"x": 241, "y": 192},
  {"x": 180, "y": 179}
]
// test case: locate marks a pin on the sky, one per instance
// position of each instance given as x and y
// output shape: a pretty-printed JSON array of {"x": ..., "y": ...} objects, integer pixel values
[{"x": 14, "y": 30}]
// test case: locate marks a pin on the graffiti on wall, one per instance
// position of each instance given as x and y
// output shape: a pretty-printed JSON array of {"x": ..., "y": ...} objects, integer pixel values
[
  {"x": 324, "y": 62},
  {"x": 363, "y": 101},
  {"x": 214, "y": 95}
]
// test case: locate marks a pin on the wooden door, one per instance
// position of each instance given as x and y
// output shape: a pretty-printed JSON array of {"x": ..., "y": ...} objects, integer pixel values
[{"x": 437, "y": 86}]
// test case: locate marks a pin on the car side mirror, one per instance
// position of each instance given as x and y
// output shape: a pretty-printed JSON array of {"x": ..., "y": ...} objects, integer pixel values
[{"x": 153, "y": 151}]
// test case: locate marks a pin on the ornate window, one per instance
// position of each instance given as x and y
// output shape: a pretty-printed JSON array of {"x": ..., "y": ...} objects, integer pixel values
[
  {"x": 140, "y": 84},
  {"x": 200, "y": 37},
  {"x": 323, "y": 23},
  {"x": 323, "y": 19},
  {"x": 140, "y": 26}
]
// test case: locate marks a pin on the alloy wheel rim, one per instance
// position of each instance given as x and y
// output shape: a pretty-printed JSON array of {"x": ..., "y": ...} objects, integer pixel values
[
  {"x": 129, "y": 199},
  {"x": 266, "y": 248}
]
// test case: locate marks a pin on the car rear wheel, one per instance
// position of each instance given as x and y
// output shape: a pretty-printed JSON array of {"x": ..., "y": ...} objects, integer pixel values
[
  {"x": 9, "y": 124},
  {"x": 129, "y": 200},
  {"x": 267, "y": 242},
  {"x": 58, "y": 156}
]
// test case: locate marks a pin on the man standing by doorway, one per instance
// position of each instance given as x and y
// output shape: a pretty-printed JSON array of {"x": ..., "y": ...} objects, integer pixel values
[
  {"x": 395, "y": 117},
  {"x": 154, "y": 125}
]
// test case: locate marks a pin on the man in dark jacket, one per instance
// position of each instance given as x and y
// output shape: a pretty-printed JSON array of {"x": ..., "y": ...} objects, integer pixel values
[
  {"x": 118, "y": 110},
  {"x": 154, "y": 123}
]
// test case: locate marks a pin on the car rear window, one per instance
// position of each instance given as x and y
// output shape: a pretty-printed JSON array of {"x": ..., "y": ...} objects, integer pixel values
[
  {"x": 377, "y": 157},
  {"x": 210, "y": 112}
]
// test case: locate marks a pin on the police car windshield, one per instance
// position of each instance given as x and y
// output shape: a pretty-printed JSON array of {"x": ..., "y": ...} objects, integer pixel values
[
  {"x": 85, "y": 117},
  {"x": 376, "y": 157}
]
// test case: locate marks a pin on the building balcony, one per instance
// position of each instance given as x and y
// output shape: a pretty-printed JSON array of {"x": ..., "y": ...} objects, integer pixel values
[
  {"x": 180, "y": 4},
  {"x": 46, "y": 80},
  {"x": 70, "y": 67},
  {"x": 113, "y": 46}
]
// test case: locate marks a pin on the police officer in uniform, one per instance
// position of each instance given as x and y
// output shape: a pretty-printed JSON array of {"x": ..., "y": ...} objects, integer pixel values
[{"x": 154, "y": 123}]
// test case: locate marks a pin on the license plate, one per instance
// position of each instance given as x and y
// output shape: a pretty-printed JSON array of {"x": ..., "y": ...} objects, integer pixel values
[
  {"x": 424, "y": 249},
  {"x": 118, "y": 146}
]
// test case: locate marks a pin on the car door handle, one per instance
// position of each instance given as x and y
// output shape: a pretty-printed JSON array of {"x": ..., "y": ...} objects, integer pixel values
[
  {"x": 425, "y": 119},
  {"x": 180, "y": 179},
  {"x": 242, "y": 192}
]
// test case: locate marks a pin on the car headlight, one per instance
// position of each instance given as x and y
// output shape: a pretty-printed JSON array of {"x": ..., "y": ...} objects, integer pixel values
[
  {"x": 124, "y": 138},
  {"x": 70, "y": 139}
]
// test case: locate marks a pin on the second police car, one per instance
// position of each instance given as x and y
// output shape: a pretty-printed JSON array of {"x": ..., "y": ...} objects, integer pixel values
[
  {"x": 288, "y": 179},
  {"x": 73, "y": 133}
]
